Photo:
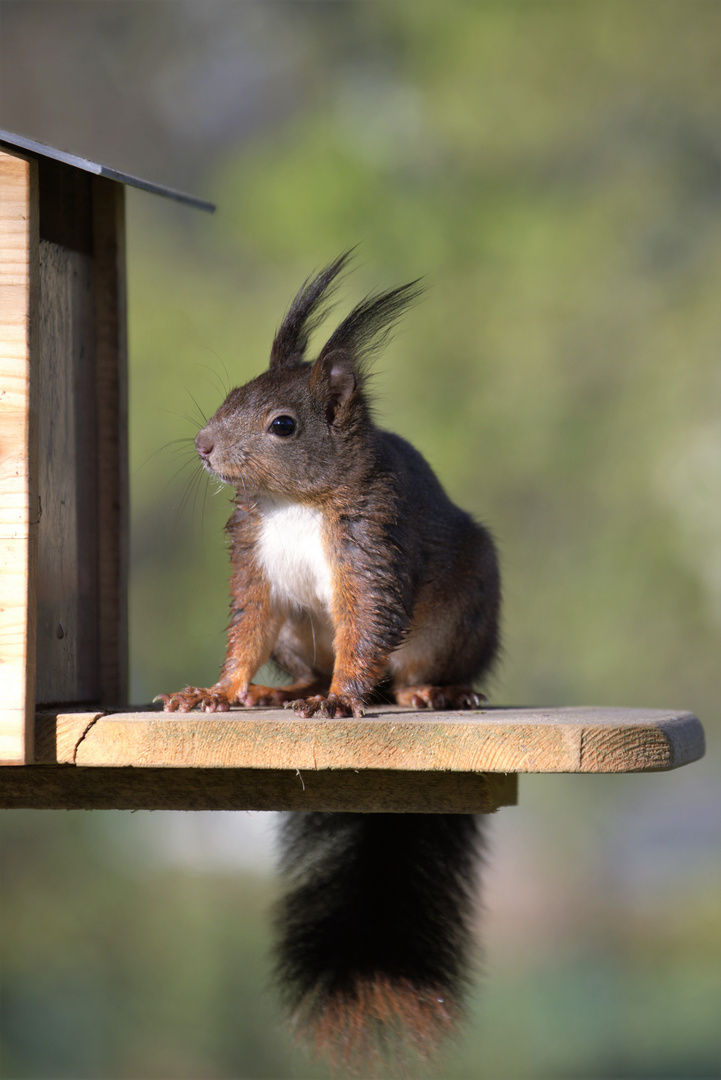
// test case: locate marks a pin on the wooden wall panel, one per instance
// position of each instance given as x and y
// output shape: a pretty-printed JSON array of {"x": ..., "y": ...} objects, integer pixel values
[
  {"x": 67, "y": 590},
  {"x": 83, "y": 534},
  {"x": 18, "y": 453},
  {"x": 63, "y": 443}
]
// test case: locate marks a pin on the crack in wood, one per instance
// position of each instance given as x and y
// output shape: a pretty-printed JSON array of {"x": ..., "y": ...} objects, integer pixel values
[{"x": 84, "y": 735}]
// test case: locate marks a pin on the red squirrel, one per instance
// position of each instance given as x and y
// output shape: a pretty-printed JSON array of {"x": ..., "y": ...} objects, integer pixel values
[{"x": 353, "y": 571}]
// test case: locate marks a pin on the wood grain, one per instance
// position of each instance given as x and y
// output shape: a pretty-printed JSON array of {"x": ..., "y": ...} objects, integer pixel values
[
  {"x": 57, "y": 736},
  {"x": 18, "y": 453},
  {"x": 502, "y": 740},
  {"x": 67, "y": 593},
  {"x": 58, "y": 787},
  {"x": 83, "y": 476},
  {"x": 394, "y": 761}
]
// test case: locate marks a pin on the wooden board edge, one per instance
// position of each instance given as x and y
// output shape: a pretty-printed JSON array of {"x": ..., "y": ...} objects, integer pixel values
[
  {"x": 67, "y": 787},
  {"x": 660, "y": 747},
  {"x": 58, "y": 735},
  {"x": 113, "y": 514}
]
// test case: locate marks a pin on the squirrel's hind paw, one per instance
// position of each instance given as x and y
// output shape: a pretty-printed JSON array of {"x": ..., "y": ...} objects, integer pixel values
[
  {"x": 281, "y": 695},
  {"x": 264, "y": 695},
  {"x": 194, "y": 698},
  {"x": 440, "y": 697},
  {"x": 334, "y": 705}
]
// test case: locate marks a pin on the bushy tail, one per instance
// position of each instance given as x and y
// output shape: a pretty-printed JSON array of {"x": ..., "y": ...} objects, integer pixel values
[{"x": 375, "y": 930}]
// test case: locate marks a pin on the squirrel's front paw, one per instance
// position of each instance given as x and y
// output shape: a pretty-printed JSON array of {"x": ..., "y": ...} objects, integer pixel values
[
  {"x": 194, "y": 698},
  {"x": 330, "y": 706}
]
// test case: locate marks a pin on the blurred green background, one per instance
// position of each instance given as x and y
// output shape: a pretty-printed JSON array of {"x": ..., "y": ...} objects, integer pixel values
[{"x": 553, "y": 171}]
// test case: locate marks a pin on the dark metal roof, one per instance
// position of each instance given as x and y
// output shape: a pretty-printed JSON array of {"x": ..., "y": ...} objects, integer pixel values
[{"x": 9, "y": 139}]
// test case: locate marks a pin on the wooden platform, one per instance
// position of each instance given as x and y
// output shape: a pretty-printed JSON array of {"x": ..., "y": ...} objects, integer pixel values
[{"x": 392, "y": 760}]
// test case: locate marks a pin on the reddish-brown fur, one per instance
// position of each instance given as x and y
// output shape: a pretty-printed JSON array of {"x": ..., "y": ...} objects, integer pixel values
[
  {"x": 357, "y": 1031},
  {"x": 404, "y": 591},
  {"x": 415, "y": 593}
]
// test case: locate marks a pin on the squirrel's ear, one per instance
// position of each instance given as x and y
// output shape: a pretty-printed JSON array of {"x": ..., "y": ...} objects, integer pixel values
[{"x": 334, "y": 373}]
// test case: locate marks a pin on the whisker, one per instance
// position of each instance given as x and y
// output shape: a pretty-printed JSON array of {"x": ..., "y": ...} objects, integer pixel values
[
  {"x": 188, "y": 447},
  {"x": 181, "y": 468},
  {"x": 225, "y": 369},
  {"x": 192, "y": 398},
  {"x": 191, "y": 488},
  {"x": 216, "y": 381},
  {"x": 192, "y": 420},
  {"x": 202, "y": 513},
  {"x": 227, "y": 377}
]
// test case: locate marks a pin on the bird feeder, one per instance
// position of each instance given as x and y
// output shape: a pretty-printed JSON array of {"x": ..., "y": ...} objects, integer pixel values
[{"x": 67, "y": 736}]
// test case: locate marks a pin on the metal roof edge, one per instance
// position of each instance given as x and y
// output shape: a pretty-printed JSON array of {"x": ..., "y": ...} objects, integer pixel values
[{"x": 21, "y": 142}]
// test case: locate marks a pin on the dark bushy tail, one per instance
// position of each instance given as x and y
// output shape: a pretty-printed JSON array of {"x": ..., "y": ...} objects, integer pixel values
[{"x": 375, "y": 930}]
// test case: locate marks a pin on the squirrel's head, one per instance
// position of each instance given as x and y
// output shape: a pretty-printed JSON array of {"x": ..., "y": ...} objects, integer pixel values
[{"x": 296, "y": 430}]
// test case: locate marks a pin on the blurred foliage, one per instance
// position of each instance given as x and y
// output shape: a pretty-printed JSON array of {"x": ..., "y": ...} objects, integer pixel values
[
  {"x": 129, "y": 970},
  {"x": 553, "y": 171},
  {"x": 115, "y": 966}
]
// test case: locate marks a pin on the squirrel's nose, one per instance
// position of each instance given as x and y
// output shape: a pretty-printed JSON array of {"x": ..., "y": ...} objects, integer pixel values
[{"x": 204, "y": 444}]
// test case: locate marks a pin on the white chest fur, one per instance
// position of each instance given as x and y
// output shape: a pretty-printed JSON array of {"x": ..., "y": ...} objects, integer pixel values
[{"x": 291, "y": 554}]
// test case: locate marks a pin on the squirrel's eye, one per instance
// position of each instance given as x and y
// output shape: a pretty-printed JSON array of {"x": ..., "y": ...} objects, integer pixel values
[{"x": 283, "y": 426}]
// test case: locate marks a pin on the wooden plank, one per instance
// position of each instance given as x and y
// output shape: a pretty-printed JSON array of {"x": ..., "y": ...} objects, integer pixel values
[
  {"x": 62, "y": 787},
  {"x": 66, "y": 208},
  {"x": 112, "y": 415},
  {"x": 67, "y": 598},
  {"x": 83, "y": 534},
  {"x": 57, "y": 737},
  {"x": 393, "y": 761},
  {"x": 502, "y": 740},
  {"x": 18, "y": 453}
]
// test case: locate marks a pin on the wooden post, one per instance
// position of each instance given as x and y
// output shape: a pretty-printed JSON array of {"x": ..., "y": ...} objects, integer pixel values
[
  {"x": 113, "y": 508},
  {"x": 19, "y": 282},
  {"x": 63, "y": 455}
]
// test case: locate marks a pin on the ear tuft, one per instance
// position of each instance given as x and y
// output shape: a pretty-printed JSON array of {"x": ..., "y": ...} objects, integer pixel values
[
  {"x": 368, "y": 326},
  {"x": 308, "y": 308}
]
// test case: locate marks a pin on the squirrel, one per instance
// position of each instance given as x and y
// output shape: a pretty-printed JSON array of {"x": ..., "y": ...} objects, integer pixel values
[{"x": 354, "y": 572}]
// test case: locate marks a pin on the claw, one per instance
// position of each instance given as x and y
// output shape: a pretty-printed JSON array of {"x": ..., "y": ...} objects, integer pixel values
[
  {"x": 334, "y": 705},
  {"x": 440, "y": 697},
  {"x": 194, "y": 698}
]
